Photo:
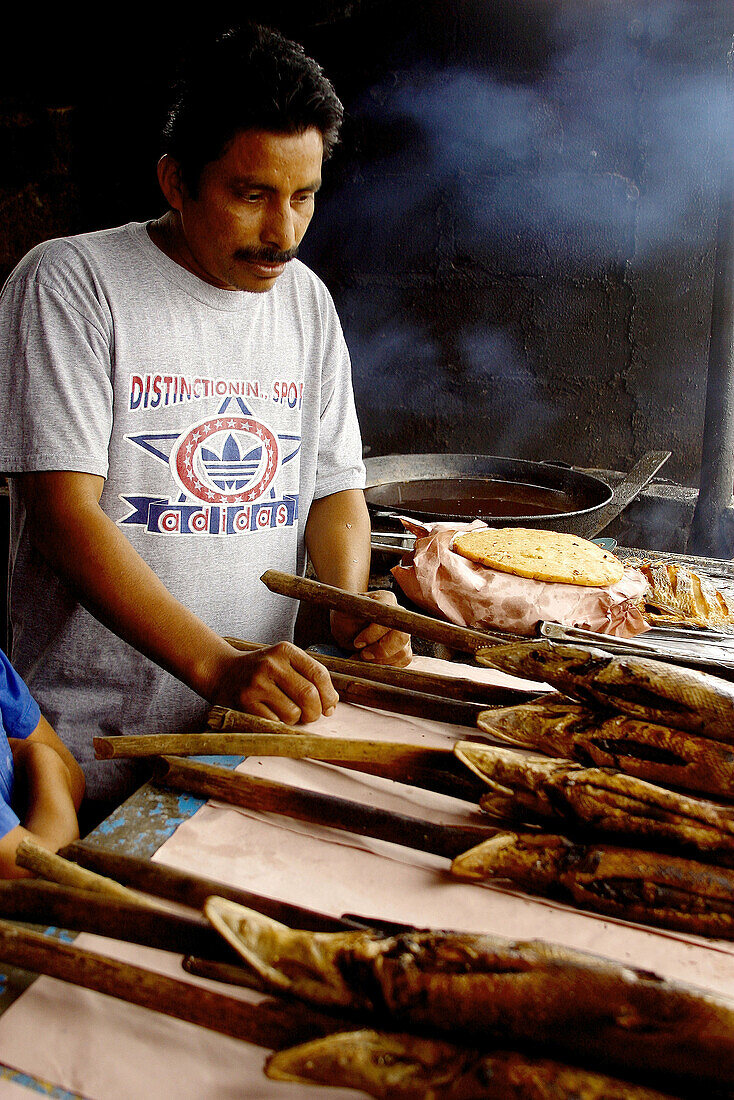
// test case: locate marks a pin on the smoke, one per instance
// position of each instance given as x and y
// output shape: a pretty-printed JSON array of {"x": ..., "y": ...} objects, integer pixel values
[
  {"x": 603, "y": 160},
  {"x": 624, "y": 133},
  {"x": 405, "y": 364}
]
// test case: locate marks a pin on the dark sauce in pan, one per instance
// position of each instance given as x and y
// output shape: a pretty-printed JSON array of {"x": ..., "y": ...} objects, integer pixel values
[{"x": 471, "y": 497}]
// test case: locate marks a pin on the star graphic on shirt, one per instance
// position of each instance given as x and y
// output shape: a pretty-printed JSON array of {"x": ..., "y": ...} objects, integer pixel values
[{"x": 224, "y": 470}]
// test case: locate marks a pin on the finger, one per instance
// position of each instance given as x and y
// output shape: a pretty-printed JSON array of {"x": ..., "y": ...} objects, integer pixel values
[
  {"x": 306, "y": 696},
  {"x": 344, "y": 628},
  {"x": 261, "y": 711},
  {"x": 291, "y": 697},
  {"x": 315, "y": 675},
  {"x": 273, "y": 704},
  {"x": 370, "y": 635},
  {"x": 389, "y": 642},
  {"x": 377, "y": 657},
  {"x": 394, "y": 648},
  {"x": 298, "y": 677}
]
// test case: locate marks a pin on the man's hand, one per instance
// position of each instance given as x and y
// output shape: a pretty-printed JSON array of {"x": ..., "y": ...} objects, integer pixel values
[
  {"x": 338, "y": 542},
  {"x": 281, "y": 683},
  {"x": 373, "y": 642}
]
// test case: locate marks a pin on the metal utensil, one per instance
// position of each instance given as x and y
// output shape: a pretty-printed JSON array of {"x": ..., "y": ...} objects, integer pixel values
[
  {"x": 593, "y": 523},
  {"x": 710, "y": 652}
]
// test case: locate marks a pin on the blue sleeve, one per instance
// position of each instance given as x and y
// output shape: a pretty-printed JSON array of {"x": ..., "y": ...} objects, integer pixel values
[
  {"x": 20, "y": 711},
  {"x": 8, "y": 819}
]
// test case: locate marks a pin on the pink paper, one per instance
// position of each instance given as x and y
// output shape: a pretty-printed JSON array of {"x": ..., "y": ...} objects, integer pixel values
[
  {"x": 441, "y": 581},
  {"x": 106, "y": 1049}
]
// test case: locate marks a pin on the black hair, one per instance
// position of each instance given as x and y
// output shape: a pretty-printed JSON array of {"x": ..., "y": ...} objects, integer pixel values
[{"x": 248, "y": 78}]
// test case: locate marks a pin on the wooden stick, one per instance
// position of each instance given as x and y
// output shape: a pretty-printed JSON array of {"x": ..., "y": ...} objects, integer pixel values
[
  {"x": 394, "y": 701},
  {"x": 401, "y": 701},
  {"x": 55, "y": 868},
  {"x": 273, "y": 1025},
  {"x": 433, "y": 769},
  {"x": 227, "y": 972},
  {"x": 362, "y": 607},
  {"x": 174, "y": 744},
  {"x": 450, "y": 687},
  {"x": 223, "y": 718},
  {"x": 193, "y": 890},
  {"x": 321, "y": 809},
  {"x": 91, "y": 911},
  {"x": 291, "y": 743}
]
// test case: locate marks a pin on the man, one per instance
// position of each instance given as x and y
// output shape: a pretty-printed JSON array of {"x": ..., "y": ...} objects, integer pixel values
[{"x": 181, "y": 418}]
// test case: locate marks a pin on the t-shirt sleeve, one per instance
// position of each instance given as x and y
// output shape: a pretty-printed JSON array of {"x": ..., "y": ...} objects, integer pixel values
[
  {"x": 8, "y": 818},
  {"x": 20, "y": 711},
  {"x": 20, "y": 716},
  {"x": 55, "y": 368},
  {"x": 340, "y": 464}
]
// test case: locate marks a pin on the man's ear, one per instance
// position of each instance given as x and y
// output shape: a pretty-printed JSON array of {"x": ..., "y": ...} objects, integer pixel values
[{"x": 169, "y": 178}]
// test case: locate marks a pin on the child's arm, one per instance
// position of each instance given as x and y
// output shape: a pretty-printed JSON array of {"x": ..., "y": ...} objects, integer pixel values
[
  {"x": 44, "y": 734},
  {"x": 43, "y": 784},
  {"x": 44, "y": 788},
  {"x": 49, "y": 790}
]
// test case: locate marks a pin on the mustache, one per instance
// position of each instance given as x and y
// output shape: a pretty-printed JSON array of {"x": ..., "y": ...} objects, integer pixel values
[{"x": 266, "y": 255}]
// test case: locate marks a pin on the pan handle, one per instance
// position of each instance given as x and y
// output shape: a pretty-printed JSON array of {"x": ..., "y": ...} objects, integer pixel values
[{"x": 640, "y": 475}]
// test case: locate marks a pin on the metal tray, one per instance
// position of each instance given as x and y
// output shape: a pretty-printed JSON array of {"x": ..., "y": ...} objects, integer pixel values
[
  {"x": 708, "y": 650},
  {"x": 395, "y": 542}
]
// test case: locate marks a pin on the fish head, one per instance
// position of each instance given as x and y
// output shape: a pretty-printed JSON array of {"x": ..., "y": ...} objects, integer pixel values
[{"x": 288, "y": 960}]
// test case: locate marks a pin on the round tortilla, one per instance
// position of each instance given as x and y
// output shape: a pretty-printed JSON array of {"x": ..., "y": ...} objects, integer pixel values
[{"x": 540, "y": 555}]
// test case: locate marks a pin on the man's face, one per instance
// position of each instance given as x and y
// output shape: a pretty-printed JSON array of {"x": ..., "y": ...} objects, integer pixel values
[{"x": 252, "y": 209}]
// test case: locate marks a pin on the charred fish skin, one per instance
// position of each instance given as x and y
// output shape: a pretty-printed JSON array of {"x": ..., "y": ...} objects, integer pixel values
[
  {"x": 594, "y": 738},
  {"x": 655, "y": 691},
  {"x": 384, "y": 1065},
  {"x": 598, "y": 801},
  {"x": 666, "y": 891},
  {"x": 410, "y": 1067},
  {"x": 492, "y": 990}
]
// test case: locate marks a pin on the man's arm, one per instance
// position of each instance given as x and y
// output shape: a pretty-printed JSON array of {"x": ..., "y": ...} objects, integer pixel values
[
  {"x": 94, "y": 558},
  {"x": 338, "y": 535}
]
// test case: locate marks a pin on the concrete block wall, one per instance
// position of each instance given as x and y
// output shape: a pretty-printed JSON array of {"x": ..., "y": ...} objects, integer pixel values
[{"x": 518, "y": 227}]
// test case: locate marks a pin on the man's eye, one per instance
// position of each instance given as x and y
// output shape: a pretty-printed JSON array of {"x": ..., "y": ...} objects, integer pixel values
[{"x": 307, "y": 196}]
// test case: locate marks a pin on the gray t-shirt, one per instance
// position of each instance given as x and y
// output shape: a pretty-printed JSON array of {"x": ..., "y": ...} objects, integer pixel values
[{"x": 216, "y": 418}]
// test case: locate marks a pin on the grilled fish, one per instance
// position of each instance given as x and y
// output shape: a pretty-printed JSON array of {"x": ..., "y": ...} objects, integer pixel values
[
  {"x": 656, "y": 691},
  {"x": 488, "y": 989},
  {"x": 650, "y": 887},
  {"x": 659, "y": 754},
  {"x": 685, "y": 596},
  {"x": 393, "y": 1066},
  {"x": 529, "y": 788}
]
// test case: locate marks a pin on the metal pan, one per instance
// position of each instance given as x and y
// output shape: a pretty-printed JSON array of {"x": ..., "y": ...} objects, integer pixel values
[{"x": 499, "y": 491}]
